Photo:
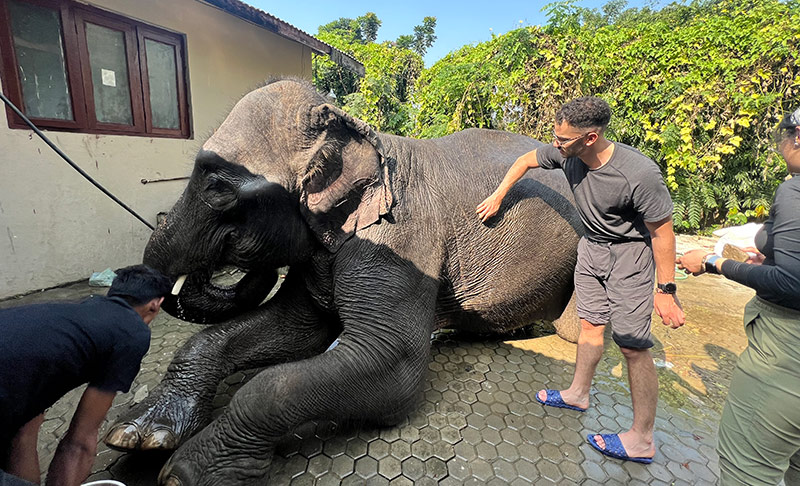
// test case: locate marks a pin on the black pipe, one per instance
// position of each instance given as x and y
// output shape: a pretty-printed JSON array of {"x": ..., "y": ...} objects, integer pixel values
[{"x": 70, "y": 162}]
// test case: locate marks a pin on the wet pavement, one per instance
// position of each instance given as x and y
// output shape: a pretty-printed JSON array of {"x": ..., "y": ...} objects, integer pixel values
[{"x": 478, "y": 421}]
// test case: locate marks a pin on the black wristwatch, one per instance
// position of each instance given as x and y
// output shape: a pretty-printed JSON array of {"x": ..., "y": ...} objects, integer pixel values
[
  {"x": 667, "y": 288},
  {"x": 710, "y": 263}
]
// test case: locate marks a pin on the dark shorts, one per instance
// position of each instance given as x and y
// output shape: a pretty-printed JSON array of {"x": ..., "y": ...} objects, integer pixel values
[{"x": 614, "y": 283}]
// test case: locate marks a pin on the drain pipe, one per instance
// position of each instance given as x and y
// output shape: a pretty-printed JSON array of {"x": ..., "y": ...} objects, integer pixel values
[{"x": 70, "y": 162}]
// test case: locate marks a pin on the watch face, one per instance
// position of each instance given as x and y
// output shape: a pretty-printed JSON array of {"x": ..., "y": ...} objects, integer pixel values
[{"x": 669, "y": 287}]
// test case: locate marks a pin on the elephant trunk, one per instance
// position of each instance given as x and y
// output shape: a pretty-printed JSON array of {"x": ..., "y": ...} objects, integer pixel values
[
  {"x": 201, "y": 301},
  {"x": 177, "y": 251}
]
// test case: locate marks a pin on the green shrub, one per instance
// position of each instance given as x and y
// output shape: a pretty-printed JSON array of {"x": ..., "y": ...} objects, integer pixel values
[{"x": 697, "y": 87}]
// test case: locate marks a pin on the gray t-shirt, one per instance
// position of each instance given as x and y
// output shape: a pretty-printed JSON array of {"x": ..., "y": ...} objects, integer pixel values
[{"x": 615, "y": 200}]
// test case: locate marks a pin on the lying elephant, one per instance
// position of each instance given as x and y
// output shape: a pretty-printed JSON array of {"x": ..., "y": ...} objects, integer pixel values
[{"x": 384, "y": 247}]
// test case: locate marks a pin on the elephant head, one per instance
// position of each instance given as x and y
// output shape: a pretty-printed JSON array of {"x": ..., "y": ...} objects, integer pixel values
[{"x": 285, "y": 175}]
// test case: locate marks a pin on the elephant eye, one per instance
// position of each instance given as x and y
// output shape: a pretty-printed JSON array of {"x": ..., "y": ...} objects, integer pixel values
[{"x": 218, "y": 193}]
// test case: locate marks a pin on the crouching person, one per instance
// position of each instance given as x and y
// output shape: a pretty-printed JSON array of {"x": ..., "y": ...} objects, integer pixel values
[{"x": 46, "y": 350}]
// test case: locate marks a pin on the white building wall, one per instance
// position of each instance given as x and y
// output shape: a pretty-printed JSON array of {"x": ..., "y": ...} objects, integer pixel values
[{"x": 55, "y": 227}]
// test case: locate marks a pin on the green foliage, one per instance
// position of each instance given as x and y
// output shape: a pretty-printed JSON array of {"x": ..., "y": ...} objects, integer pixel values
[
  {"x": 382, "y": 97},
  {"x": 405, "y": 41},
  {"x": 476, "y": 86},
  {"x": 347, "y": 29},
  {"x": 345, "y": 34},
  {"x": 697, "y": 87},
  {"x": 362, "y": 30},
  {"x": 370, "y": 23},
  {"x": 424, "y": 36}
]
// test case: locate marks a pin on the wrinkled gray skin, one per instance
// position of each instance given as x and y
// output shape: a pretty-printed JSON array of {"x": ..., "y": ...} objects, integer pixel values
[{"x": 384, "y": 247}]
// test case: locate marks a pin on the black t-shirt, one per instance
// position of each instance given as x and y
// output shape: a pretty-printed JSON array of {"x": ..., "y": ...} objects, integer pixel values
[
  {"x": 777, "y": 280},
  {"x": 616, "y": 199},
  {"x": 47, "y": 350}
]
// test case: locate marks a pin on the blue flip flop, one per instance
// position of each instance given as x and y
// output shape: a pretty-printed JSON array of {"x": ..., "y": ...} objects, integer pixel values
[
  {"x": 554, "y": 400},
  {"x": 615, "y": 449}
]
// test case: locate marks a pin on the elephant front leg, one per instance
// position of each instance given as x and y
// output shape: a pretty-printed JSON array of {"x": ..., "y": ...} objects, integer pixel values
[
  {"x": 179, "y": 406},
  {"x": 287, "y": 328},
  {"x": 373, "y": 375},
  {"x": 347, "y": 383}
]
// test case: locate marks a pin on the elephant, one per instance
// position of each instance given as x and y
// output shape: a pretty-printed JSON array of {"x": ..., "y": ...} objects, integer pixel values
[{"x": 383, "y": 246}]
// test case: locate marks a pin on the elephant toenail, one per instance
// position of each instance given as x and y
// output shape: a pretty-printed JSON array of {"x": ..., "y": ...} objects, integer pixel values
[
  {"x": 125, "y": 436},
  {"x": 160, "y": 439}
]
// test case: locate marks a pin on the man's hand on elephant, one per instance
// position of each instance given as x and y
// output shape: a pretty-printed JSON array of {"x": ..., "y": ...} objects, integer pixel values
[
  {"x": 489, "y": 207},
  {"x": 669, "y": 309}
]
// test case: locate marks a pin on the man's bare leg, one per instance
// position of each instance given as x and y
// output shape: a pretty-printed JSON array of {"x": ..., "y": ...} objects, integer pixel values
[
  {"x": 23, "y": 460},
  {"x": 590, "y": 350},
  {"x": 643, "y": 379}
]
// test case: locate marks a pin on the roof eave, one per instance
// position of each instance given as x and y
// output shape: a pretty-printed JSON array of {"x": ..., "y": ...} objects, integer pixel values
[{"x": 277, "y": 26}]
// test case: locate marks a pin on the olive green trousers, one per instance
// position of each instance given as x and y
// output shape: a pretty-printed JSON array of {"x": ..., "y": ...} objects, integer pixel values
[{"x": 759, "y": 434}]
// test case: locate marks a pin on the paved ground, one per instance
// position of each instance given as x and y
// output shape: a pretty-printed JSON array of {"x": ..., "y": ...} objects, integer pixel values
[{"x": 478, "y": 421}]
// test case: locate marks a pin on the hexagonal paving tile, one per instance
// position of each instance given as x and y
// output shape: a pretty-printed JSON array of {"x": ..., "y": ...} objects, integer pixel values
[
  {"x": 477, "y": 423},
  {"x": 366, "y": 466},
  {"x": 378, "y": 449},
  {"x": 319, "y": 465},
  {"x": 389, "y": 467},
  {"x": 342, "y": 466}
]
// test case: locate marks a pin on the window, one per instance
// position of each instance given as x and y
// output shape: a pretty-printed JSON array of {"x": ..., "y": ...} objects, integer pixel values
[{"x": 72, "y": 67}]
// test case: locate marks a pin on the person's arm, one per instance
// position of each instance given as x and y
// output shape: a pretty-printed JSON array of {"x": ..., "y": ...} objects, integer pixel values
[
  {"x": 667, "y": 306},
  {"x": 782, "y": 279},
  {"x": 23, "y": 460},
  {"x": 489, "y": 206},
  {"x": 76, "y": 451}
]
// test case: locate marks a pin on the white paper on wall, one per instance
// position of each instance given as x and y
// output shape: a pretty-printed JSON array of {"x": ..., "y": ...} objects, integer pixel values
[{"x": 109, "y": 77}]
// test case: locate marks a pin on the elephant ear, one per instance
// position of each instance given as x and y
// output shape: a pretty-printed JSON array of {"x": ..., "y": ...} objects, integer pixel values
[{"x": 346, "y": 183}]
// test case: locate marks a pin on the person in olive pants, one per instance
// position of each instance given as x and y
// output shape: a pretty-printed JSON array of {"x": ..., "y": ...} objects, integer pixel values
[{"x": 759, "y": 434}]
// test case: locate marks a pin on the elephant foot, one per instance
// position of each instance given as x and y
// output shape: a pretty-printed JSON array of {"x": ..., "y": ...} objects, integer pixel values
[
  {"x": 214, "y": 457},
  {"x": 162, "y": 422}
]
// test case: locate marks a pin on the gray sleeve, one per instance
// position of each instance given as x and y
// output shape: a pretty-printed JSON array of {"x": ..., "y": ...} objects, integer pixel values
[
  {"x": 650, "y": 196},
  {"x": 548, "y": 157},
  {"x": 779, "y": 283}
]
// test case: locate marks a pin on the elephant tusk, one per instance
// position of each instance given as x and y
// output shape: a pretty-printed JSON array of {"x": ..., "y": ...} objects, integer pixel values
[{"x": 176, "y": 289}]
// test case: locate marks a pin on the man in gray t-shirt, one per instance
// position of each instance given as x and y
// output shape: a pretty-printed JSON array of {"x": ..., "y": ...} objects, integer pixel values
[
  {"x": 616, "y": 199},
  {"x": 627, "y": 212}
]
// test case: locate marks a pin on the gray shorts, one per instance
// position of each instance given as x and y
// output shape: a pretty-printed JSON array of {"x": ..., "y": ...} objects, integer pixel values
[{"x": 614, "y": 283}]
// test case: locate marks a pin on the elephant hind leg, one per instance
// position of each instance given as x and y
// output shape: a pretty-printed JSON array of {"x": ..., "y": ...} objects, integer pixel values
[{"x": 568, "y": 325}]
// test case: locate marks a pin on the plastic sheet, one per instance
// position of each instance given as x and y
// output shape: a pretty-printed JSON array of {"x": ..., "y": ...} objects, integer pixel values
[{"x": 102, "y": 279}]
